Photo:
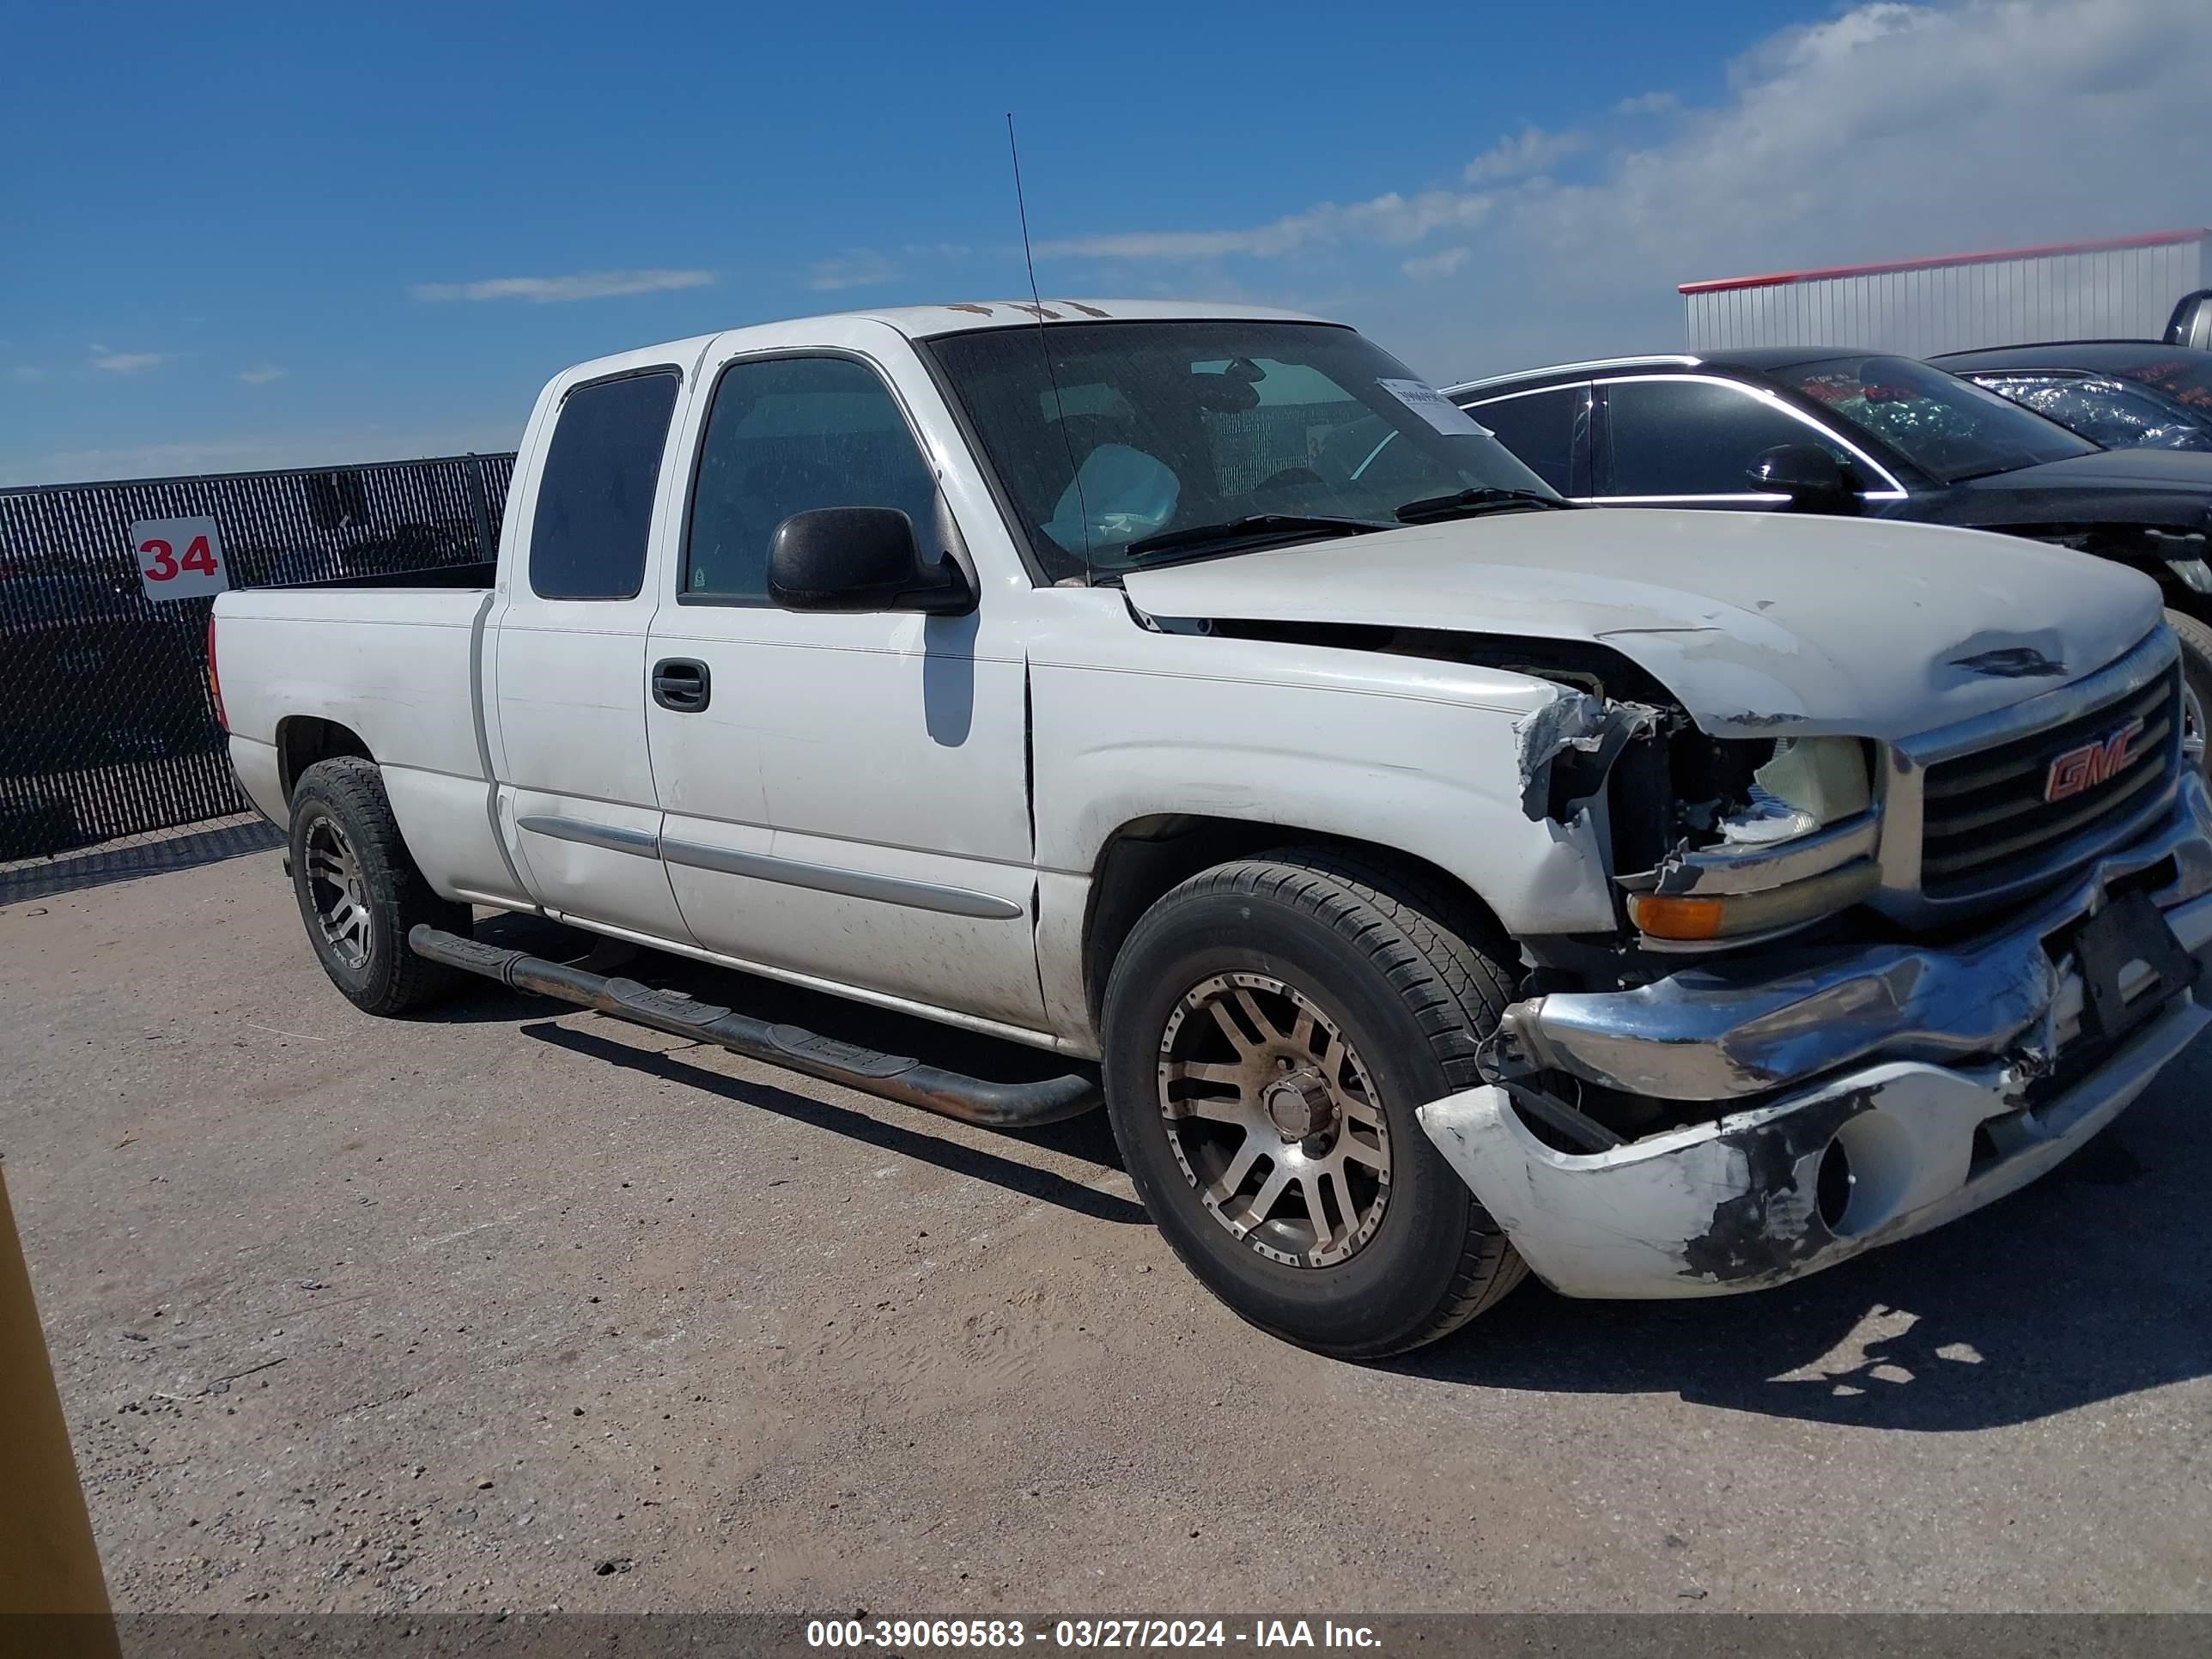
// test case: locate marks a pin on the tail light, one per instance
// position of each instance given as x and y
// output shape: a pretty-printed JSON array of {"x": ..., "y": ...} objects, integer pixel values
[{"x": 214, "y": 685}]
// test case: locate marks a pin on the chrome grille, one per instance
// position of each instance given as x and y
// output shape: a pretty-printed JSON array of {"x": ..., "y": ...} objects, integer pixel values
[{"x": 1986, "y": 824}]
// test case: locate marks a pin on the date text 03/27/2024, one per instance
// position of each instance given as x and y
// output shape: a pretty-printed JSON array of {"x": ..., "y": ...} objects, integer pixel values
[{"x": 863, "y": 1634}]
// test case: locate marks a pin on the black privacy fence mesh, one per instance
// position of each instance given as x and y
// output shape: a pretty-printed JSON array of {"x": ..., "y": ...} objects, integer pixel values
[{"x": 106, "y": 727}]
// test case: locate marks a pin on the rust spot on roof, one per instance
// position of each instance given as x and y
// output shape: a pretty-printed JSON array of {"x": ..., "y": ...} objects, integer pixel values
[
  {"x": 1088, "y": 311},
  {"x": 981, "y": 311},
  {"x": 1040, "y": 313}
]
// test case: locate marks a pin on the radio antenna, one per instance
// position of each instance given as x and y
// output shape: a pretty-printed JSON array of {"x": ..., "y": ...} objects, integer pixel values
[{"x": 1059, "y": 409}]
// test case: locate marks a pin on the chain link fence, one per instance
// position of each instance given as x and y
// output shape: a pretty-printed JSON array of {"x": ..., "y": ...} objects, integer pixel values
[{"x": 106, "y": 727}]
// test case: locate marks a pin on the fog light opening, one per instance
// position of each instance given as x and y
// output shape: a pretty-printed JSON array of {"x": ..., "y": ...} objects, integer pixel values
[
  {"x": 1865, "y": 1173},
  {"x": 1832, "y": 1188}
]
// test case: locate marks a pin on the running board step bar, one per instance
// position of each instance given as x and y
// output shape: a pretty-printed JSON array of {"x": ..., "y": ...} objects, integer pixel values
[{"x": 972, "y": 1100}]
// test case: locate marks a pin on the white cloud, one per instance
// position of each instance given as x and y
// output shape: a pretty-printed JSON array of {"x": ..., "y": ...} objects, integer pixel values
[
  {"x": 861, "y": 268},
  {"x": 1430, "y": 266},
  {"x": 126, "y": 362},
  {"x": 1533, "y": 151},
  {"x": 1392, "y": 219},
  {"x": 1896, "y": 131},
  {"x": 1888, "y": 130},
  {"x": 262, "y": 375},
  {"x": 585, "y": 285},
  {"x": 24, "y": 374}
]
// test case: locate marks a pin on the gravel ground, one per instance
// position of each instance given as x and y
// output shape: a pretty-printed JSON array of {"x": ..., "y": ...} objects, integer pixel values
[{"x": 507, "y": 1309}]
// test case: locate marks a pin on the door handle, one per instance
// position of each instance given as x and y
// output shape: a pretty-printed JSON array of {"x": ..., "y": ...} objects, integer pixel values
[{"x": 682, "y": 684}]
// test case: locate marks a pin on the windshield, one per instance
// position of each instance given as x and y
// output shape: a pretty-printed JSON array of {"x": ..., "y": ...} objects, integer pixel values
[
  {"x": 2186, "y": 377},
  {"x": 1950, "y": 429},
  {"x": 1147, "y": 437}
]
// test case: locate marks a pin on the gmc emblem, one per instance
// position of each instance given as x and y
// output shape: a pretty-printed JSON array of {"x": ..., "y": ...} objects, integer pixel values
[{"x": 2091, "y": 764}]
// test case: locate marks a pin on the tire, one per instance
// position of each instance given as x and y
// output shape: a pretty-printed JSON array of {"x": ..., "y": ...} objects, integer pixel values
[
  {"x": 357, "y": 918},
  {"x": 2196, "y": 681},
  {"x": 1369, "y": 961}
]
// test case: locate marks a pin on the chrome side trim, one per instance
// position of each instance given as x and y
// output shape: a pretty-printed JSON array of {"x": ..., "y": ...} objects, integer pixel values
[
  {"x": 850, "y": 883},
  {"x": 641, "y": 843}
]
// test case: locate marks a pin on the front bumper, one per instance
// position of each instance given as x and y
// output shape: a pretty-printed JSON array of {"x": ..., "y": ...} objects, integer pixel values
[{"x": 1903, "y": 1074}]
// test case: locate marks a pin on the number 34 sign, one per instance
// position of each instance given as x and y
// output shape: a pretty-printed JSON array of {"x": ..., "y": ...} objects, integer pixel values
[{"x": 179, "y": 558}]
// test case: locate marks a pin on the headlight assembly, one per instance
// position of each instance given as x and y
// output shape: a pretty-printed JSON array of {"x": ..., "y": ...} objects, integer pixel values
[{"x": 1792, "y": 840}]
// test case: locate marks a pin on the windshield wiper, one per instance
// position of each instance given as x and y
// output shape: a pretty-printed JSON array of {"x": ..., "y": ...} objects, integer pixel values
[
  {"x": 1482, "y": 498},
  {"x": 1254, "y": 526}
]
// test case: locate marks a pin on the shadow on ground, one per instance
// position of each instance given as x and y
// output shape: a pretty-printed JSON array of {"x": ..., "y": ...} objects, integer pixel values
[
  {"x": 1086, "y": 1138},
  {"x": 97, "y": 868},
  {"x": 2092, "y": 1285}
]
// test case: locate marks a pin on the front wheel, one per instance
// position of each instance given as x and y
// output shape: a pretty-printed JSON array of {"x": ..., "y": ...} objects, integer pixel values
[
  {"x": 1271, "y": 1026},
  {"x": 2195, "y": 684},
  {"x": 360, "y": 892}
]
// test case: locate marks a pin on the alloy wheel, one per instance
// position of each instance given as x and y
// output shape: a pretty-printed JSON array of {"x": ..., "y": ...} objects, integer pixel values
[
  {"x": 1274, "y": 1120},
  {"x": 338, "y": 893}
]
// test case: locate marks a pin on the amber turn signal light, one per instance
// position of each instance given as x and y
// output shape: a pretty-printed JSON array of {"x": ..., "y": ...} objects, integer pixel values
[{"x": 1676, "y": 918}]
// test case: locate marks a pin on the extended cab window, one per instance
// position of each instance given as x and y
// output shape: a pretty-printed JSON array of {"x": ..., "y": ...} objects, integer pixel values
[
  {"x": 1540, "y": 428},
  {"x": 1694, "y": 437},
  {"x": 785, "y": 435},
  {"x": 595, "y": 496}
]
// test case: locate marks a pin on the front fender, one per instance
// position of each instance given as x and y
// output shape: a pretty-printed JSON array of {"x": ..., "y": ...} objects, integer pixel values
[{"x": 1434, "y": 764}]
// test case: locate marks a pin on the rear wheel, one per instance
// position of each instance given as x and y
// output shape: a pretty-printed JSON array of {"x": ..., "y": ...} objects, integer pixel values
[
  {"x": 360, "y": 892},
  {"x": 1271, "y": 1026}
]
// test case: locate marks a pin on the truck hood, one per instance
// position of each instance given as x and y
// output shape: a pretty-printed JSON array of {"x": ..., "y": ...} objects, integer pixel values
[{"x": 1759, "y": 624}]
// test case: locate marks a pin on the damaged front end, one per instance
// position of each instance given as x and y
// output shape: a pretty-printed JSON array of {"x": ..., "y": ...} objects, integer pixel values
[
  {"x": 1716, "y": 842},
  {"x": 1968, "y": 960},
  {"x": 1814, "y": 1102}
]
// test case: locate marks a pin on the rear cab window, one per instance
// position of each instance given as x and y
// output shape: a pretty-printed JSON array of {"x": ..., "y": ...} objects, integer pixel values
[{"x": 596, "y": 487}]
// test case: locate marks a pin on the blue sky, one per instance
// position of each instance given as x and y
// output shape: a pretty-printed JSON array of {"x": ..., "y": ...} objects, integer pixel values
[{"x": 240, "y": 236}]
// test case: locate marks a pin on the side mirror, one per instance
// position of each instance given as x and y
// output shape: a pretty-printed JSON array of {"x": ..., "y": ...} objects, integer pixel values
[
  {"x": 860, "y": 558},
  {"x": 1809, "y": 474}
]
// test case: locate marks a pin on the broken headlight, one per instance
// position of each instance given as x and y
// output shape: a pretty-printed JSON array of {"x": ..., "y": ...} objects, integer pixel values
[
  {"x": 1809, "y": 784},
  {"x": 1788, "y": 838}
]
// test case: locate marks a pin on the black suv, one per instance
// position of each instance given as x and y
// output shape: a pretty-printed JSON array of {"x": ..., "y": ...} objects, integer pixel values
[
  {"x": 2124, "y": 394},
  {"x": 1812, "y": 429}
]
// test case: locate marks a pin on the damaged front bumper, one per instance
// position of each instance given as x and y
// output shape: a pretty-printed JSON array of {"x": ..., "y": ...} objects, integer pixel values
[{"x": 1884, "y": 1090}]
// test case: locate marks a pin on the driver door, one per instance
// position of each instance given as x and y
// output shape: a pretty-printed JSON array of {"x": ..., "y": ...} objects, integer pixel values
[{"x": 845, "y": 794}]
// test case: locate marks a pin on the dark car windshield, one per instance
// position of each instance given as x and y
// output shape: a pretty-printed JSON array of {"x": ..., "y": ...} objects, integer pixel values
[
  {"x": 1145, "y": 436},
  {"x": 2184, "y": 376},
  {"x": 1950, "y": 429}
]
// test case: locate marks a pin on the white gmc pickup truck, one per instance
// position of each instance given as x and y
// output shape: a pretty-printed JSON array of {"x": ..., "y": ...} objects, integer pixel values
[{"x": 1434, "y": 877}]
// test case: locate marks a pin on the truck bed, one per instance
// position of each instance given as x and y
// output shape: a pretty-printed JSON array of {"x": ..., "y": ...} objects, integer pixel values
[{"x": 478, "y": 576}]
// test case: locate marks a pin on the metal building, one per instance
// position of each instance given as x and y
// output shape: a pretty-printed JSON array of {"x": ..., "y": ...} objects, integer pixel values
[{"x": 2123, "y": 288}]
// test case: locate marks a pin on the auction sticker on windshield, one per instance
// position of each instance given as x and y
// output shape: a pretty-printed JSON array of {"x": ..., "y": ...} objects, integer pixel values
[{"x": 1432, "y": 406}]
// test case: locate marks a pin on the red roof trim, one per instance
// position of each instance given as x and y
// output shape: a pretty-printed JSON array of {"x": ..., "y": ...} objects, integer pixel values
[{"x": 1775, "y": 279}]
